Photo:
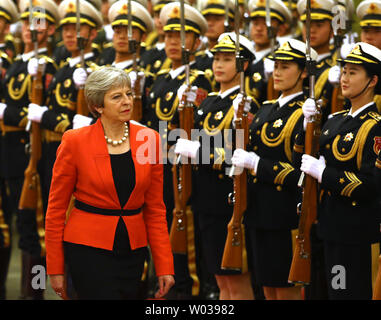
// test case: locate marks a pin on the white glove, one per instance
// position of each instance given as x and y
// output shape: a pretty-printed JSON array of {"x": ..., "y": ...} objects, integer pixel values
[
  {"x": 334, "y": 75},
  {"x": 79, "y": 77},
  {"x": 346, "y": 48},
  {"x": 80, "y": 121},
  {"x": 133, "y": 77},
  {"x": 268, "y": 67},
  {"x": 191, "y": 95},
  {"x": 187, "y": 148},
  {"x": 33, "y": 64},
  {"x": 313, "y": 167},
  {"x": 244, "y": 159},
  {"x": 309, "y": 109},
  {"x": 2, "y": 109},
  {"x": 35, "y": 112}
]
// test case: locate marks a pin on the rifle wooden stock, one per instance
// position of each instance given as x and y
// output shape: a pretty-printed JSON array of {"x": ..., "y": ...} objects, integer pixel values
[
  {"x": 377, "y": 285},
  {"x": 300, "y": 271},
  {"x": 29, "y": 192},
  {"x": 81, "y": 107},
  {"x": 182, "y": 189},
  {"x": 337, "y": 103},
  {"x": 232, "y": 256},
  {"x": 137, "y": 108}
]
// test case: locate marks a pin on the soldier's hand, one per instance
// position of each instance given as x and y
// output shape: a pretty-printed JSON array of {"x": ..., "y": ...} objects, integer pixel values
[
  {"x": 334, "y": 75},
  {"x": 80, "y": 121},
  {"x": 35, "y": 112},
  {"x": 34, "y": 64},
  {"x": 313, "y": 167},
  {"x": 268, "y": 67},
  {"x": 187, "y": 148},
  {"x": 79, "y": 77},
  {"x": 191, "y": 95},
  {"x": 133, "y": 76},
  {"x": 309, "y": 109},
  {"x": 244, "y": 159},
  {"x": 3, "y": 106}
]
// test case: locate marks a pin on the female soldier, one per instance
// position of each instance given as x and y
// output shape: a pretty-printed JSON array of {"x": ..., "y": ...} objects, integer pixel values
[
  {"x": 349, "y": 211},
  {"x": 214, "y": 115},
  {"x": 271, "y": 214}
]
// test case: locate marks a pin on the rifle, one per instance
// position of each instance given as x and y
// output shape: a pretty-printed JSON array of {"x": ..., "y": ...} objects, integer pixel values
[
  {"x": 136, "y": 90},
  {"x": 182, "y": 181},
  {"x": 271, "y": 93},
  {"x": 337, "y": 101},
  {"x": 81, "y": 106},
  {"x": 300, "y": 271},
  {"x": 226, "y": 22},
  {"x": 232, "y": 256},
  {"x": 29, "y": 193}
]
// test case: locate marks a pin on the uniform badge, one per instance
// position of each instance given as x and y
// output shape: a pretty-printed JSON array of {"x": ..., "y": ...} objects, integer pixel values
[
  {"x": 257, "y": 77},
  {"x": 348, "y": 137},
  {"x": 377, "y": 145},
  {"x": 200, "y": 112},
  {"x": 157, "y": 64},
  {"x": 278, "y": 123},
  {"x": 67, "y": 83},
  {"x": 326, "y": 132},
  {"x": 168, "y": 96},
  {"x": 219, "y": 115},
  {"x": 21, "y": 77}
]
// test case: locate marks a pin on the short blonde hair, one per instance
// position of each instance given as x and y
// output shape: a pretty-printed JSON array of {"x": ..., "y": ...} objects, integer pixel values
[{"x": 100, "y": 82}]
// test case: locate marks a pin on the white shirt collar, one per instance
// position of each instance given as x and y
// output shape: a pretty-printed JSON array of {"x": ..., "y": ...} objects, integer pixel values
[
  {"x": 74, "y": 61},
  {"x": 259, "y": 55},
  {"x": 160, "y": 45},
  {"x": 322, "y": 56},
  {"x": 123, "y": 64},
  {"x": 224, "y": 94},
  {"x": 284, "y": 100},
  {"x": 26, "y": 56},
  {"x": 358, "y": 111},
  {"x": 176, "y": 72}
]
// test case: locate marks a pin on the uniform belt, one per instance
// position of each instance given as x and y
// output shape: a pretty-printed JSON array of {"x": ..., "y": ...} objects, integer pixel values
[
  {"x": 108, "y": 212},
  {"x": 50, "y": 136}
]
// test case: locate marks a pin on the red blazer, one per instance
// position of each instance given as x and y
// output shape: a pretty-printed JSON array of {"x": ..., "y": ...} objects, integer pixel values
[{"x": 83, "y": 167}]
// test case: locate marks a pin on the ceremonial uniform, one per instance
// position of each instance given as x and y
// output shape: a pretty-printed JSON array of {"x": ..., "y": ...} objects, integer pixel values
[{"x": 349, "y": 207}]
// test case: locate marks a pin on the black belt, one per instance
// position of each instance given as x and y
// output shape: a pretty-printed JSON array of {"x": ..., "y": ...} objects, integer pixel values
[{"x": 108, "y": 212}]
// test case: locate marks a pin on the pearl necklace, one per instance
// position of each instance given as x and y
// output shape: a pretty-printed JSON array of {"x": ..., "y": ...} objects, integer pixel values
[{"x": 115, "y": 143}]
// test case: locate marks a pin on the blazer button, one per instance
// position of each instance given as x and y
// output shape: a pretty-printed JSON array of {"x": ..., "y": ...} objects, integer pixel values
[
  {"x": 279, "y": 188},
  {"x": 354, "y": 203}
]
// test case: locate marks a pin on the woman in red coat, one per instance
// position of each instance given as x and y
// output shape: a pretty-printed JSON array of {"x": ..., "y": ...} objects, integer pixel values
[{"x": 114, "y": 171}]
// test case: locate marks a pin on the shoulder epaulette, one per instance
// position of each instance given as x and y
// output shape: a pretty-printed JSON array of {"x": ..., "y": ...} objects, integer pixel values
[
  {"x": 5, "y": 56},
  {"x": 163, "y": 71},
  {"x": 199, "y": 53},
  {"x": 213, "y": 94},
  {"x": 197, "y": 72},
  {"x": 108, "y": 45},
  {"x": 269, "y": 101},
  {"x": 375, "y": 116},
  {"x": 337, "y": 113}
]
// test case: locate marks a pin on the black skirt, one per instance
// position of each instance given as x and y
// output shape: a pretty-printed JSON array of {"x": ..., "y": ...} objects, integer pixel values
[{"x": 99, "y": 274}]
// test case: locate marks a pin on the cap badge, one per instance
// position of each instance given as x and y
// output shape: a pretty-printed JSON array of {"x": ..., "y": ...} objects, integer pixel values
[
  {"x": 71, "y": 7},
  {"x": 356, "y": 50},
  {"x": 123, "y": 9},
  {"x": 175, "y": 13}
]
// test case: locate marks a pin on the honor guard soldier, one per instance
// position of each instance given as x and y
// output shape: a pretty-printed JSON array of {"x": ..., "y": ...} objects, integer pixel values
[
  {"x": 211, "y": 186},
  {"x": 13, "y": 113},
  {"x": 369, "y": 14},
  {"x": 214, "y": 12},
  {"x": 262, "y": 68},
  {"x": 107, "y": 56},
  {"x": 271, "y": 213},
  {"x": 321, "y": 34},
  {"x": 164, "y": 98},
  {"x": 349, "y": 204},
  {"x": 8, "y": 14},
  {"x": 62, "y": 103},
  {"x": 154, "y": 57}
]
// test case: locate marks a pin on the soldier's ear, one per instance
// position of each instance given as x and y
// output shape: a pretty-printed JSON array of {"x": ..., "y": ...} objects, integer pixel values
[
  {"x": 51, "y": 29},
  {"x": 93, "y": 34}
]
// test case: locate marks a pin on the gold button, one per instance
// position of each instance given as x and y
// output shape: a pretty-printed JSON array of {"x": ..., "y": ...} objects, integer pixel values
[
  {"x": 258, "y": 132},
  {"x": 271, "y": 134},
  {"x": 153, "y": 106},
  {"x": 342, "y": 149},
  {"x": 165, "y": 110},
  {"x": 255, "y": 148},
  {"x": 275, "y": 168},
  {"x": 327, "y": 146},
  {"x": 354, "y": 203},
  {"x": 149, "y": 123},
  {"x": 201, "y": 122},
  {"x": 220, "y": 176},
  {"x": 279, "y": 188},
  {"x": 255, "y": 180},
  {"x": 211, "y": 156}
]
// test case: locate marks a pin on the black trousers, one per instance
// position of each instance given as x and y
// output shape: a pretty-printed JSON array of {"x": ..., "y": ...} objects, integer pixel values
[{"x": 99, "y": 274}]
